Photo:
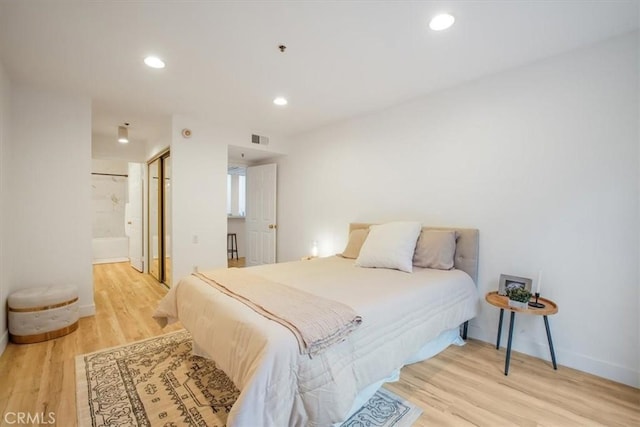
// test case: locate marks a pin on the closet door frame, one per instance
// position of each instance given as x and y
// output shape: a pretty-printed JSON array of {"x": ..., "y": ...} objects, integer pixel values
[{"x": 162, "y": 274}]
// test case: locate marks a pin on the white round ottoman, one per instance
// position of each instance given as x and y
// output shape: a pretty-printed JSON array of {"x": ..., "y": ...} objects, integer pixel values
[{"x": 41, "y": 314}]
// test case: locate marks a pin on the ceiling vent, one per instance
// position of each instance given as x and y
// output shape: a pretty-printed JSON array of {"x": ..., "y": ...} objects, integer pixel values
[{"x": 257, "y": 139}]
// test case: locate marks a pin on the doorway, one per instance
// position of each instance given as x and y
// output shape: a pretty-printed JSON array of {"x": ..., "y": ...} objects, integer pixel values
[
  {"x": 109, "y": 182},
  {"x": 261, "y": 227},
  {"x": 251, "y": 215},
  {"x": 160, "y": 218},
  {"x": 236, "y": 208},
  {"x": 255, "y": 172}
]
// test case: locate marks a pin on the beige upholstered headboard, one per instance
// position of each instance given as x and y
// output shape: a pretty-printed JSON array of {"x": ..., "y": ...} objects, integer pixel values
[{"x": 466, "y": 257}]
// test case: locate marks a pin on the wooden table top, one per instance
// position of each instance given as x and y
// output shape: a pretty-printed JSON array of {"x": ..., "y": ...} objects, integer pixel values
[{"x": 501, "y": 301}]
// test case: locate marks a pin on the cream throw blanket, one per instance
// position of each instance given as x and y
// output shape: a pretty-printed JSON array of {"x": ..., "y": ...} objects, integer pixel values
[{"x": 316, "y": 322}]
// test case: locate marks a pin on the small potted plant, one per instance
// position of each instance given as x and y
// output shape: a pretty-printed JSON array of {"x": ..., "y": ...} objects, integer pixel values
[{"x": 519, "y": 297}]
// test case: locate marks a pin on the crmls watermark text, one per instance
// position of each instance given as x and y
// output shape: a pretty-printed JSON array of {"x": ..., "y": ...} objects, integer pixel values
[{"x": 38, "y": 418}]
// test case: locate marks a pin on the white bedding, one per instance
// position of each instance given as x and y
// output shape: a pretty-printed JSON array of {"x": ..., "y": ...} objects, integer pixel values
[{"x": 279, "y": 387}]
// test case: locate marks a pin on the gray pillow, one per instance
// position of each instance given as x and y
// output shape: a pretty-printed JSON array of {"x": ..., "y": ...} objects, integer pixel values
[
  {"x": 435, "y": 249},
  {"x": 356, "y": 239}
]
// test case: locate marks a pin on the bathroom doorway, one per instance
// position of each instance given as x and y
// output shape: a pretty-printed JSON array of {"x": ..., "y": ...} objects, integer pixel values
[{"x": 109, "y": 180}]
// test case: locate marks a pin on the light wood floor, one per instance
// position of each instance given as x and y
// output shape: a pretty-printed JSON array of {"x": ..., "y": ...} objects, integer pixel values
[
  {"x": 41, "y": 377},
  {"x": 461, "y": 386},
  {"x": 240, "y": 262}
]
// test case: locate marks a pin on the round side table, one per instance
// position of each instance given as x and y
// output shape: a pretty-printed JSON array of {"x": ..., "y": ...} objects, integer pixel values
[{"x": 502, "y": 302}]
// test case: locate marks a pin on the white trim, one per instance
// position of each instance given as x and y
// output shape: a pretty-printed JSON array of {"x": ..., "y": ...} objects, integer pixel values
[
  {"x": 110, "y": 260},
  {"x": 87, "y": 310},
  {"x": 564, "y": 357},
  {"x": 4, "y": 340}
]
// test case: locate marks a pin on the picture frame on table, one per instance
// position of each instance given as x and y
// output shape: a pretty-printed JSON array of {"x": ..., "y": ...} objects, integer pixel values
[{"x": 508, "y": 282}]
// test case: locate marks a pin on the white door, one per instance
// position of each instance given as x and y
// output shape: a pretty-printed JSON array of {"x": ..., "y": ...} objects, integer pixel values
[
  {"x": 261, "y": 214},
  {"x": 134, "y": 216}
]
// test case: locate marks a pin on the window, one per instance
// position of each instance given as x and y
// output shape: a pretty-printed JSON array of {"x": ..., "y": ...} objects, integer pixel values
[
  {"x": 228, "y": 194},
  {"x": 242, "y": 194},
  {"x": 236, "y": 191}
]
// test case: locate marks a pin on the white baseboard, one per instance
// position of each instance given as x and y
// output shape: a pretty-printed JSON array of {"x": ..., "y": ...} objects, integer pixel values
[
  {"x": 581, "y": 362},
  {"x": 110, "y": 260},
  {"x": 87, "y": 310},
  {"x": 4, "y": 340}
]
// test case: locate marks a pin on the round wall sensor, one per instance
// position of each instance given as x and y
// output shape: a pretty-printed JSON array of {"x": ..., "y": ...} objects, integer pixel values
[{"x": 186, "y": 133}]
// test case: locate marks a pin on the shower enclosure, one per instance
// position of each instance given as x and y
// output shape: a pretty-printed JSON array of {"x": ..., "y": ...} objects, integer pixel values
[{"x": 109, "y": 196}]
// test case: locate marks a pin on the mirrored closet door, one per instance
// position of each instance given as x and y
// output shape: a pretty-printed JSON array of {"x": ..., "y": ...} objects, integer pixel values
[{"x": 160, "y": 218}]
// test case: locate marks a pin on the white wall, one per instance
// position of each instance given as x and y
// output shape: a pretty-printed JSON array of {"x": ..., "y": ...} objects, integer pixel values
[
  {"x": 112, "y": 166},
  {"x": 4, "y": 204},
  {"x": 49, "y": 213},
  {"x": 199, "y": 188},
  {"x": 199, "y": 198},
  {"x": 107, "y": 147},
  {"x": 162, "y": 139},
  {"x": 543, "y": 160}
]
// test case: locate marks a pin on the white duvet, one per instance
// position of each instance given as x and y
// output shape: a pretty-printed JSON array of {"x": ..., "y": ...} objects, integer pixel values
[{"x": 279, "y": 386}]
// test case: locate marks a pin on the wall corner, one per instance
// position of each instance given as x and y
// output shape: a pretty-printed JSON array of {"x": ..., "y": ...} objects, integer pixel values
[{"x": 4, "y": 340}]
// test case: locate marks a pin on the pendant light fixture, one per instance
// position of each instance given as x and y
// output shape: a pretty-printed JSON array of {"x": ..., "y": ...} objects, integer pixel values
[{"x": 123, "y": 134}]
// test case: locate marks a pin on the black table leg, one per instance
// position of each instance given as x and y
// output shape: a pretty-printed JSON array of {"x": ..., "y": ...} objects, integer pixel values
[
  {"x": 506, "y": 363},
  {"x": 499, "y": 328},
  {"x": 464, "y": 330},
  {"x": 553, "y": 354}
]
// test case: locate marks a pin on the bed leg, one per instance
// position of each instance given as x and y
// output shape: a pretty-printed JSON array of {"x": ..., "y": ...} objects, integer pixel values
[{"x": 465, "y": 326}]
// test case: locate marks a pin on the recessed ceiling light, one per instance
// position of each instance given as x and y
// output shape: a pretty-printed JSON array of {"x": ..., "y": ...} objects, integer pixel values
[
  {"x": 154, "y": 62},
  {"x": 441, "y": 22},
  {"x": 280, "y": 101}
]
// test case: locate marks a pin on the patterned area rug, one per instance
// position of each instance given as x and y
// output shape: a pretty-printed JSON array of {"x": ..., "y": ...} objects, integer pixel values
[{"x": 158, "y": 383}]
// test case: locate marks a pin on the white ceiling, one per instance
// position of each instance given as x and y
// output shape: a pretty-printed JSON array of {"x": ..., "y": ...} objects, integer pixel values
[{"x": 343, "y": 58}]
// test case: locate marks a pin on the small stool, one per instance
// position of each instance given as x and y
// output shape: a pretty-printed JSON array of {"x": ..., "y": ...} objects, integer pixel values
[
  {"x": 232, "y": 245},
  {"x": 43, "y": 313}
]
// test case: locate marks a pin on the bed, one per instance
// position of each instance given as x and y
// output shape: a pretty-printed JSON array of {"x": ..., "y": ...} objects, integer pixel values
[{"x": 405, "y": 318}]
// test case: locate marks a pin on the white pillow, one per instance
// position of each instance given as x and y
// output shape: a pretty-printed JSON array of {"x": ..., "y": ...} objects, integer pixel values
[{"x": 390, "y": 245}]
